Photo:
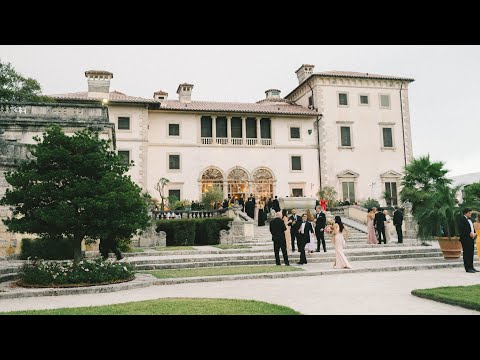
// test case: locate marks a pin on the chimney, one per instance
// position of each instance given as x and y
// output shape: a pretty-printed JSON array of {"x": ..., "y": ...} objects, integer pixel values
[
  {"x": 98, "y": 83},
  {"x": 184, "y": 92},
  {"x": 160, "y": 95},
  {"x": 273, "y": 94},
  {"x": 304, "y": 72}
]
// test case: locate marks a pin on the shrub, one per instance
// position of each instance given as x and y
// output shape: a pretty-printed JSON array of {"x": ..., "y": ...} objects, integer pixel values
[
  {"x": 180, "y": 232},
  {"x": 49, "y": 248},
  {"x": 370, "y": 203},
  {"x": 207, "y": 231},
  {"x": 40, "y": 272},
  {"x": 124, "y": 245}
]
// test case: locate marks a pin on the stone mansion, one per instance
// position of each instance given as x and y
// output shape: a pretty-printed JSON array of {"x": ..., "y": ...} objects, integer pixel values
[{"x": 348, "y": 130}]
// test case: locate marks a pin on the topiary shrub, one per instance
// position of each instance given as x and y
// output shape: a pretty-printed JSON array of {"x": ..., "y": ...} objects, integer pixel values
[
  {"x": 180, "y": 232},
  {"x": 48, "y": 248},
  {"x": 207, "y": 231}
]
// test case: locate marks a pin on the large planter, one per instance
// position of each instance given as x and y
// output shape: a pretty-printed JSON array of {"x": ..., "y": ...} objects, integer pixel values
[
  {"x": 290, "y": 203},
  {"x": 451, "y": 247}
]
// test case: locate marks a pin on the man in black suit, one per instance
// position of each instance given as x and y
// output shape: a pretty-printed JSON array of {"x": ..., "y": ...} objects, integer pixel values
[
  {"x": 303, "y": 238},
  {"x": 320, "y": 228},
  {"x": 277, "y": 229},
  {"x": 467, "y": 234},
  {"x": 379, "y": 224},
  {"x": 276, "y": 205},
  {"x": 397, "y": 221},
  {"x": 296, "y": 222},
  {"x": 241, "y": 202}
]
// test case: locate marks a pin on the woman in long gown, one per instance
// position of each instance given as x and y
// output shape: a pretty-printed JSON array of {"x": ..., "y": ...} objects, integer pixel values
[
  {"x": 288, "y": 224},
  {"x": 341, "y": 261},
  {"x": 261, "y": 218},
  {"x": 372, "y": 238},
  {"x": 388, "y": 227}
]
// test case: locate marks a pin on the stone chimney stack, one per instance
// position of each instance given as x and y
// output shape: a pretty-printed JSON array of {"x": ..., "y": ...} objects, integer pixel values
[
  {"x": 184, "y": 92},
  {"x": 98, "y": 83},
  {"x": 273, "y": 94},
  {"x": 160, "y": 95},
  {"x": 304, "y": 72}
]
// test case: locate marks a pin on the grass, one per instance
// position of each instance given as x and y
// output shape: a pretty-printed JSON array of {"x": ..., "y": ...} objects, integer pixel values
[
  {"x": 227, "y": 246},
  {"x": 173, "y": 306},
  {"x": 464, "y": 296},
  {"x": 174, "y": 248},
  {"x": 215, "y": 271},
  {"x": 134, "y": 250}
]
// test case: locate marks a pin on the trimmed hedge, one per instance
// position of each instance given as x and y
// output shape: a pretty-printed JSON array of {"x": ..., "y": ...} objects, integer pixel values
[
  {"x": 185, "y": 232},
  {"x": 47, "y": 248}
]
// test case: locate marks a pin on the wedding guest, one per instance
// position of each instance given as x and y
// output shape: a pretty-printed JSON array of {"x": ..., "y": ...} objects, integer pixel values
[
  {"x": 321, "y": 221},
  {"x": 304, "y": 238},
  {"x": 388, "y": 226},
  {"x": 338, "y": 239},
  {"x": 379, "y": 224},
  {"x": 261, "y": 217},
  {"x": 277, "y": 229},
  {"x": 397, "y": 221},
  {"x": 296, "y": 222},
  {"x": 371, "y": 239},
  {"x": 288, "y": 224},
  {"x": 311, "y": 237}
]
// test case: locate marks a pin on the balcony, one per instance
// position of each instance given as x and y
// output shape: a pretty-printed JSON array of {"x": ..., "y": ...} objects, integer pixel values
[{"x": 236, "y": 141}]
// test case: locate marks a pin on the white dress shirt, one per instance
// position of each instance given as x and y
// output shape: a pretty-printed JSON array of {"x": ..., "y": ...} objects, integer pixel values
[{"x": 471, "y": 225}]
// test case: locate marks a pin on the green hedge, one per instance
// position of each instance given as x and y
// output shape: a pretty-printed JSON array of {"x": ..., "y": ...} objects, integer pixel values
[
  {"x": 185, "y": 232},
  {"x": 47, "y": 248}
]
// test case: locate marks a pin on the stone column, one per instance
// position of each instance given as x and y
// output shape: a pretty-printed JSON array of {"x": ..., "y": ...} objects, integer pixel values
[
  {"x": 229, "y": 129},
  {"x": 244, "y": 130},
  {"x": 259, "y": 135},
  {"x": 214, "y": 130}
]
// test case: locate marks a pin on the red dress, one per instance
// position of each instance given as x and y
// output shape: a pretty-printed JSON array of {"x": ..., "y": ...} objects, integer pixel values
[{"x": 323, "y": 204}]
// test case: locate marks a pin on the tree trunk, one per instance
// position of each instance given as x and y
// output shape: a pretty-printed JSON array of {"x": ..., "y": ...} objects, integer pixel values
[{"x": 77, "y": 250}]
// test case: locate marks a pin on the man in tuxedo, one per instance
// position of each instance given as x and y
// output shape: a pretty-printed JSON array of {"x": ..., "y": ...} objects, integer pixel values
[
  {"x": 379, "y": 224},
  {"x": 397, "y": 221},
  {"x": 296, "y": 222},
  {"x": 277, "y": 229},
  {"x": 321, "y": 221},
  {"x": 304, "y": 238},
  {"x": 250, "y": 208},
  {"x": 276, "y": 205},
  {"x": 467, "y": 234}
]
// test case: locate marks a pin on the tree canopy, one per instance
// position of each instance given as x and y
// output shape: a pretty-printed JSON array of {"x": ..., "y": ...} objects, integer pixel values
[
  {"x": 16, "y": 88},
  {"x": 75, "y": 188}
]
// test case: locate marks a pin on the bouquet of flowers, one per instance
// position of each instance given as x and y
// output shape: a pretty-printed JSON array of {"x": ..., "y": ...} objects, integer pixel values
[{"x": 329, "y": 227}]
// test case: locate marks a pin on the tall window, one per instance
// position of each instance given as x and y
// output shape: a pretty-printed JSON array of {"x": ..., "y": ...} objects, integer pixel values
[
  {"x": 385, "y": 101},
  {"x": 221, "y": 127},
  {"x": 387, "y": 137},
  {"x": 173, "y": 129},
  {"x": 125, "y": 155},
  {"x": 345, "y": 136},
  {"x": 265, "y": 131},
  {"x": 174, "y": 193},
  {"x": 295, "y": 133},
  {"x": 251, "y": 128},
  {"x": 174, "y": 162},
  {"x": 348, "y": 191},
  {"x": 391, "y": 193},
  {"x": 236, "y": 127},
  {"x": 296, "y": 163},
  {"x": 124, "y": 123},
  {"x": 206, "y": 122},
  {"x": 343, "y": 99}
]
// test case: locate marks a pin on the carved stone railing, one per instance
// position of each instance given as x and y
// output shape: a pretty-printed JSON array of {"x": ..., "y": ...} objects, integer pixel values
[{"x": 187, "y": 214}]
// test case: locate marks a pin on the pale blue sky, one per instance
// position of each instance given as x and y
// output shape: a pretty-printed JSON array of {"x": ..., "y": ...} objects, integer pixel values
[{"x": 444, "y": 104}]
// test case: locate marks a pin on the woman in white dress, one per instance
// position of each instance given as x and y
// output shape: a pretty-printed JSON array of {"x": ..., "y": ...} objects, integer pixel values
[
  {"x": 388, "y": 227},
  {"x": 341, "y": 261}
]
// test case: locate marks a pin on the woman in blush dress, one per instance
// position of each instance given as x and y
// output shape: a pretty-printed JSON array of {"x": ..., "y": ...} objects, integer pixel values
[
  {"x": 288, "y": 224},
  {"x": 372, "y": 238},
  {"x": 341, "y": 261}
]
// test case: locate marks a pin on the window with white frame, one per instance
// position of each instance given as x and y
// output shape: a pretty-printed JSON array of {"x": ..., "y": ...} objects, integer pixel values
[
  {"x": 363, "y": 99},
  {"x": 174, "y": 162},
  {"x": 297, "y": 192},
  {"x": 345, "y": 136},
  {"x": 391, "y": 197},
  {"x": 173, "y": 129},
  {"x": 387, "y": 136},
  {"x": 348, "y": 191},
  {"x": 384, "y": 101},
  {"x": 296, "y": 163},
  {"x": 294, "y": 132},
  {"x": 123, "y": 123}
]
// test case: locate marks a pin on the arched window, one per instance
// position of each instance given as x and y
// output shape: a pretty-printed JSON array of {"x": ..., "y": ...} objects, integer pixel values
[
  {"x": 263, "y": 183},
  {"x": 211, "y": 177}
]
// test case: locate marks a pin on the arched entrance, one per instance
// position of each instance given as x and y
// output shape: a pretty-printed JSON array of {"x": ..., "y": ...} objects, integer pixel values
[
  {"x": 263, "y": 183},
  {"x": 237, "y": 183},
  {"x": 211, "y": 177}
]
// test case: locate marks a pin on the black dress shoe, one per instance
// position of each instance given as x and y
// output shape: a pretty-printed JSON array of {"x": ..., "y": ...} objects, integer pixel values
[
  {"x": 299, "y": 263},
  {"x": 471, "y": 271},
  {"x": 317, "y": 250},
  {"x": 475, "y": 270}
]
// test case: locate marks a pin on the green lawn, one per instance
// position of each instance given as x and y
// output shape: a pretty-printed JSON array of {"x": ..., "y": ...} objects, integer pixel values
[
  {"x": 464, "y": 296},
  {"x": 134, "y": 250},
  {"x": 174, "y": 248},
  {"x": 226, "y": 246},
  {"x": 173, "y": 306},
  {"x": 214, "y": 271}
]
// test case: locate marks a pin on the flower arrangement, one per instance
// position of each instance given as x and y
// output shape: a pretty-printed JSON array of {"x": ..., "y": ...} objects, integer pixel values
[{"x": 329, "y": 227}]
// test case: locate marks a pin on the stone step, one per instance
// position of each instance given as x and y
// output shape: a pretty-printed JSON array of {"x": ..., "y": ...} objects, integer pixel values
[
  {"x": 269, "y": 261},
  {"x": 9, "y": 269},
  {"x": 8, "y": 277}
]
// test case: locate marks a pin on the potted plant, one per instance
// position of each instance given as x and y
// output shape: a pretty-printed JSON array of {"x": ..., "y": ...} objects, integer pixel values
[{"x": 437, "y": 218}]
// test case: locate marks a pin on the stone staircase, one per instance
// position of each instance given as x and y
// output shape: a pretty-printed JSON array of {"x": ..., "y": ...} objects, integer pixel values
[{"x": 9, "y": 270}]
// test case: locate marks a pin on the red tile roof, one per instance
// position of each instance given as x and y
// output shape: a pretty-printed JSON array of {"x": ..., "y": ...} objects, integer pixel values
[{"x": 114, "y": 96}]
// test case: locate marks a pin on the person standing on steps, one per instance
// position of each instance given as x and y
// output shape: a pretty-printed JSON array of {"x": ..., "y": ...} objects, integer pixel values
[
  {"x": 397, "y": 221},
  {"x": 467, "y": 236},
  {"x": 321, "y": 221},
  {"x": 277, "y": 229}
]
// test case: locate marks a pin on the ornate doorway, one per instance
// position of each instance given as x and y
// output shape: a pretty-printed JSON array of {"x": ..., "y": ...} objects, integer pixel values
[
  {"x": 238, "y": 183},
  {"x": 211, "y": 177},
  {"x": 263, "y": 183}
]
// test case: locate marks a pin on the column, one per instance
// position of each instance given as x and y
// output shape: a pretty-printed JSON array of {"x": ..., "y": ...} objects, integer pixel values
[
  {"x": 214, "y": 130},
  {"x": 244, "y": 130},
  {"x": 229, "y": 129},
  {"x": 259, "y": 136},
  {"x": 225, "y": 189}
]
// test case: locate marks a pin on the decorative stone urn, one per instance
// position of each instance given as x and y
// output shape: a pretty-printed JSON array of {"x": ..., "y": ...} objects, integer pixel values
[
  {"x": 451, "y": 247},
  {"x": 290, "y": 203}
]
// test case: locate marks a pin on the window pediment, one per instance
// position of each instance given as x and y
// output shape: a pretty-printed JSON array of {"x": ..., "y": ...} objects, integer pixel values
[
  {"x": 348, "y": 174},
  {"x": 391, "y": 174}
]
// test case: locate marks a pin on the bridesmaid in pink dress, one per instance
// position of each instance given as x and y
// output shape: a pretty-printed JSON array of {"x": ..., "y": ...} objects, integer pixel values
[
  {"x": 341, "y": 261},
  {"x": 372, "y": 238}
]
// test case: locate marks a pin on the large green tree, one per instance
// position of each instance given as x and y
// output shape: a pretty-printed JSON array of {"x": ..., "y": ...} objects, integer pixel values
[
  {"x": 471, "y": 196},
  {"x": 17, "y": 88},
  {"x": 75, "y": 188}
]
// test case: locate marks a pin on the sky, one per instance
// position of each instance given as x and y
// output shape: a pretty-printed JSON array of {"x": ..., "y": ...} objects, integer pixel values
[{"x": 444, "y": 98}]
